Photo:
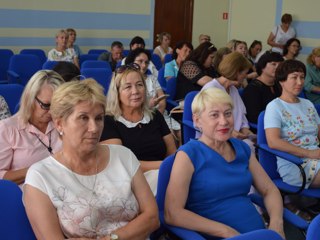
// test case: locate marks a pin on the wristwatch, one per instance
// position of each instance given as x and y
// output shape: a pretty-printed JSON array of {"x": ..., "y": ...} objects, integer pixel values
[{"x": 114, "y": 236}]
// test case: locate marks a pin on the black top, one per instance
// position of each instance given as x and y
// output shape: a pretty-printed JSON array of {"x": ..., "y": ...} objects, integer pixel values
[
  {"x": 256, "y": 97},
  {"x": 144, "y": 140},
  {"x": 188, "y": 76}
]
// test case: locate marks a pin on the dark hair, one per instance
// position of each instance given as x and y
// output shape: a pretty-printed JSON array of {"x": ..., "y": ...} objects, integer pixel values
[
  {"x": 137, "y": 40},
  {"x": 180, "y": 45},
  {"x": 117, "y": 44},
  {"x": 253, "y": 44},
  {"x": 135, "y": 53},
  {"x": 266, "y": 58},
  {"x": 287, "y": 67},
  {"x": 286, "y": 18},
  {"x": 287, "y": 45},
  {"x": 67, "y": 70},
  {"x": 201, "y": 53}
]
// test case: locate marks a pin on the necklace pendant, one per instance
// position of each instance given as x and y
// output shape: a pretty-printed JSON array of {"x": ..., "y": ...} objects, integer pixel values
[{"x": 50, "y": 149}]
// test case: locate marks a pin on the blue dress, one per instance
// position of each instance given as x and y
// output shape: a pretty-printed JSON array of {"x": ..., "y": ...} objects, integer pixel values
[{"x": 219, "y": 189}]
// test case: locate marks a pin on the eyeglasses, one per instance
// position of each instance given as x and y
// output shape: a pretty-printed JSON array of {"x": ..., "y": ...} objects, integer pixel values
[
  {"x": 131, "y": 66},
  {"x": 44, "y": 106}
]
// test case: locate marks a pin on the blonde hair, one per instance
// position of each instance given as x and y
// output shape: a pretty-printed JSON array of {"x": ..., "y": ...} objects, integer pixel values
[
  {"x": 68, "y": 95},
  {"x": 315, "y": 53},
  {"x": 62, "y": 31},
  {"x": 113, "y": 106},
  {"x": 161, "y": 35},
  {"x": 209, "y": 96},
  {"x": 32, "y": 89},
  {"x": 232, "y": 64}
]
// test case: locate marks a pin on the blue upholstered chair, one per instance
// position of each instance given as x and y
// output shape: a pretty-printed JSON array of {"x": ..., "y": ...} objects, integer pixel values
[
  {"x": 97, "y": 51},
  {"x": 156, "y": 61},
  {"x": 13, "y": 218},
  {"x": 161, "y": 79},
  {"x": 167, "y": 58},
  {"x": 163, "y": 180},
  {"x": 49, "y": 65},
  {"x": 84, "y": 57},
  {"x": 189, "y": 131},
  {"x": 101, "y": 75},
  {"x": 313, "y": 232},
  {"x": 22, "y": 67},
  {"x": 171, "y": 90},
  {"x": 5, "y": 55},
  {"x": 12, "y": 94},
  {"x": 41, "y": 54},
  {"x": 268, "y": 160},
  {"x": 95, "y": 64}
]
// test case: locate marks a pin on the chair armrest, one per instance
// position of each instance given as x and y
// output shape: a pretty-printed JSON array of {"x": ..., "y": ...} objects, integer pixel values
[
  {"x": 294, "y": 159},
  {"x": 287, "y": 215}
]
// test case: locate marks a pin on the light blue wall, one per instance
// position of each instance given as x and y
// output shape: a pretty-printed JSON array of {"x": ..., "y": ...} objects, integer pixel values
[{"x": 33, "y": 24}]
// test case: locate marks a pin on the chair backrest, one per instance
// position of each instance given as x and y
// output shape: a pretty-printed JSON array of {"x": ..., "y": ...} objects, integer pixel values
[
  {"x": 5, "y": 55},
  {"x": 13, "y": 218},
  {"x": 302, "y": 94},
  {"x": 12, "y": 94},
  {"x": 38, "y": 52},
  {"x": 84, "y": 57},
  {"x": 95, "y": 64},
  {"x": 267, "y": 160},
  {"x": 101, "y": 75},
  {"x": 97, "y": 51},
  {"x": 155, "y": 58},
  {"x": 171, "y": 90},
  {"x": 125, "y": 52},
  {"x": 24, "y": 65},
  {"x": 49, "y": 65},
  {"x": 161, "y": 79},
  {"x": 167, "y": 58},
  {"x": 313, "y": 231},
  {"x": 189, "y": 132}
]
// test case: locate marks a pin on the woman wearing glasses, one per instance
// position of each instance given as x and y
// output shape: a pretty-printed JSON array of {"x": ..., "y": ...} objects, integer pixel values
[
  {"x": 29, "y": 135},
  {"x": 196, "y": 71},
  {"x": 130, "y": 122}
]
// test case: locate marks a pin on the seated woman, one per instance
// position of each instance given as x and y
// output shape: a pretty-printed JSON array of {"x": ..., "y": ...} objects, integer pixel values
[
  {"x": 196, "y": 71},
  {"x": 29, "y": 135},
  {"x": 130, "y": 122},
  {"x": 181, "y": 51},
  {"x": 218, "y": 207},
  {"x": 254, "y": 49},
  {"x": 291, "y": 49},
  {"x": 155, "y": 94},
  {"x": 138, "y": 42},
  {"x": 233, "y": 70},
  {"x": 61, "y": 52},
  {"x": 104, "y": 194},
  {"x": 67, "y": 70},
  {"x": 4, "y": 109},
  {"x": 71, "y": 42},
  {"x": 292, "y": 125},
  {"x": 263, "y": 89},
  {"x": 220, "y": 54},
  {"x": 164, "y": 48},
  {"x": 312, "y": 83},
  {"x": 241, "y": 47}
]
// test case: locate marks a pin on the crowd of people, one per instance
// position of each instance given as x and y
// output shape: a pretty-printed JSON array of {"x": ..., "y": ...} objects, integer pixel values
[{"x": 108, "y": 149}]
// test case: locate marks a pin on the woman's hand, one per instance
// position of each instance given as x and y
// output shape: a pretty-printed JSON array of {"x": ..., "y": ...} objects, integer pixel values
[
  {"x": 230, "y": 232},
  {"x": 314, "y": 154},
  {"x": 239, "y": 135},
  {"x": 277, "y": 227}
]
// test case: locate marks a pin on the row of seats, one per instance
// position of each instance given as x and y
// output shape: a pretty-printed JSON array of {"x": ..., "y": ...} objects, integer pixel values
[{"x": 15, "y": 224}]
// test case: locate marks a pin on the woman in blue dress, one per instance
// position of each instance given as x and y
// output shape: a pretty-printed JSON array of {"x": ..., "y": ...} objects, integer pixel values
[{"x": 211, "y": 177}]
